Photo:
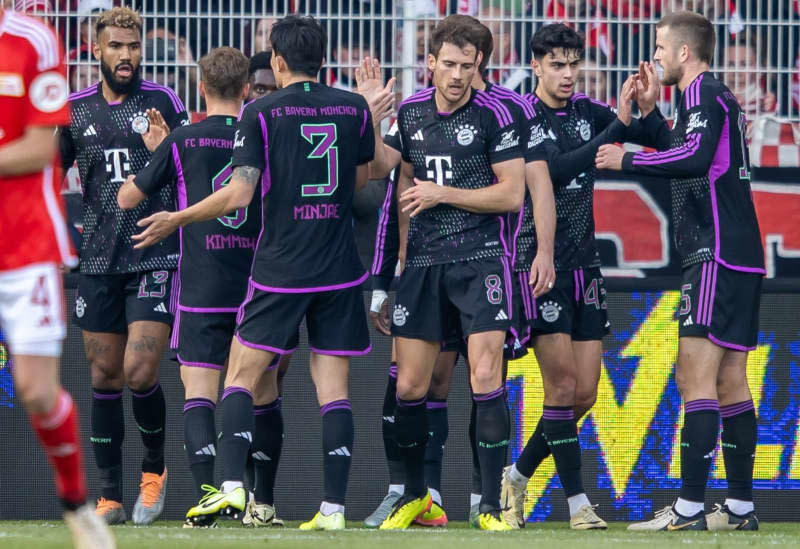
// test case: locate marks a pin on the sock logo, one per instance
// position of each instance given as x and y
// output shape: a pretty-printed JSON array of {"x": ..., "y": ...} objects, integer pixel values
[
  {"x": 100, "y": 440},
  {"x": 343, "y": 451},
  {"x": 206, "y": 451},
  {"x": 149, "y": 432},
  {"x": 492, "y": 444},
  {"x": 261, "y": 456},
  {"x": 247, "y": 435}
]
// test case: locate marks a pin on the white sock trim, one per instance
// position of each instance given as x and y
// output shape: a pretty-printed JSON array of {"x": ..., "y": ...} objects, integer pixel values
[
  {"x": 688, "y": 508},
  {"x": 231, "y": 485},
  {"x": 516, "y": 477},
  {"x": 327, "y": 509},
  {"x": 399, "y": 488},
  {"x": 739, "y": 507},
  {"x": 576, "y": 502},
  {"x": 474, "y": 499},
  {"x": 436, "y": 496}
]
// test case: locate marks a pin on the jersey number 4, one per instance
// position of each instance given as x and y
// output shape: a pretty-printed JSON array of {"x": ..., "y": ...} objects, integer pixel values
[
  {"x": 325, "y": 149},
  {"x": 237, "y": 218}
]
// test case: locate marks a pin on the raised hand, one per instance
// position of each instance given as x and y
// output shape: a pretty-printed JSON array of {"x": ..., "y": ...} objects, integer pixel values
[
  {"x": 369, "y": 84},
  {"x": 157, "y": 130},
  {"x": 648, "y": 87},
  {"x": 626, "y": 97}
]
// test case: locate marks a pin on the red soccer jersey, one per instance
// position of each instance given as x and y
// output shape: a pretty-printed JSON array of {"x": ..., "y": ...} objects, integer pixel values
[{"x": 33, "y": 92}]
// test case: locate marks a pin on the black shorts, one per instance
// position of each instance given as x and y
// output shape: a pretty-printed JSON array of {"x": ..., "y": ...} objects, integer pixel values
[
  {"x": 431, "y": 299},
  {"x": 203, "y": 340},
  {"x": 720, "y": 304},
  {"x": 109, "y": 303},
  {"x": 336, "y": 321},
  {"x": 576, "y": 306}
]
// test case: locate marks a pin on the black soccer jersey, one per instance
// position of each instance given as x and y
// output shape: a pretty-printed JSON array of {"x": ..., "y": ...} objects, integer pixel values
[
  {"x": 706, "y": 157},
  {"x": 387, "y": 239},
  {"x": 216, "y": 255},
  {"x": 307, "y": 139},
  {"x": 456, "y": 149},
  {"x": 106, "y": 141}
]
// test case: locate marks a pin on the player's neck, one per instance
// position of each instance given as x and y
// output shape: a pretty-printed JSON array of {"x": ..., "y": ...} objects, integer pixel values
[
  {"x": 443, "y": 105},
  {"x": 478, "y": 83},
  {"x": 110, "y": 96},
  {"x": 691, "y": 73},
  {"x": 222, "y": 108},
  {"x": 297, "y": 78},
  {"x": 549, "y": 100}
]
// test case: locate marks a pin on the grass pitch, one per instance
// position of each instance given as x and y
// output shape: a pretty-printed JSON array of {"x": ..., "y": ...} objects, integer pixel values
[{"x": 54, "y": 535}]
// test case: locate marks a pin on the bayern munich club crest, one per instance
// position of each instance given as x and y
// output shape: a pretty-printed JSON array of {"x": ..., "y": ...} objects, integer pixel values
[
  {"x": 465, "y": 135},
  {"x": 550, "y": 311},
  {"x": 139, "y": 123},
  {"x": 80, "y": 307},
  {"x": 400, "y": 315},
  {"x": 585, "y": 130}
]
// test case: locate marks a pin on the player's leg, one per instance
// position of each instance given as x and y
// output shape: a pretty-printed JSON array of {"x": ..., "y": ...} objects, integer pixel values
[{"x": 201, "y": 388}]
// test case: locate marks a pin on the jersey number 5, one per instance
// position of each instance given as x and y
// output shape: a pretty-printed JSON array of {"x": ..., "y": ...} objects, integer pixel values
[
  {"x": 238, "y": 217},
  {"x": 325, "y": 149}
]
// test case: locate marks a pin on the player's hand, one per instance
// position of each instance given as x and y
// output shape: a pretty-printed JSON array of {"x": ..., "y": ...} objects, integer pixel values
[
  {"x": 159, "y": 226},
  {"x": 624, "y": 105},
  {"x": 379, "y": 312},
  {"x": 609, "y": 157},
  {"x": 369, "y": 84},
  {"x": 422, "y": 196},
  {"x": 543, "y": 274},
  {"x": 648, "y": 87},
  {"x": 156, "y": 131}
]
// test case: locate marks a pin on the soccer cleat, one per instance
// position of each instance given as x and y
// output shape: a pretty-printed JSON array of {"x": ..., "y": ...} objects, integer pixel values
[
  {"x": 201, "y": 522},
  {"x": 334, "y": 521},
  {"x": 668, "y": 519},
  {"x": 512, "y": 500},
  {"x": 587, "y": 519},
  {"x": 405, "y": 511},
  {"x": 723, "y": 518},
  {"x": 493, "y": 521},
  {"x": 89, "y": 530},
  {"x": 216, "y": 503},
  {"x": 257, "y": 515},
  {"x": 150, "y": 503},
  {"x": 383, "y": 510},
  {"x": 111, "y": 511},
  {"x": 474, "y": 512},
  {"x": 435, "y": 516}
]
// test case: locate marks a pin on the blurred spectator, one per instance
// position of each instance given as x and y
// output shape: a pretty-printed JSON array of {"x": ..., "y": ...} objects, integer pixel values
[
  {"x": 36, "y": 8},
  {"x": 504, "y": 55},
  {"x": 746, "y": 84},
  {"x": 261, "y": 79},
  {"x": 348, "y": 47},
  {"x": 87, "y": 13},
  {"x": 261, "y": 36},
  {"x": 595, "y": 28},
  {"x": 796, "y": 85},
  {"x": 594, "y": 77},
  {"x": 83, "y": 69},
  {"x": 170, "y": 62},
  {"x": 717, "y": 11}
]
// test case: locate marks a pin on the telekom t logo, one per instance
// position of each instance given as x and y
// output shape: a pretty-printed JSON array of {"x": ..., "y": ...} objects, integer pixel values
[
  {"x": 439, "y": 168},
  {"x": 117, "y": 164}
]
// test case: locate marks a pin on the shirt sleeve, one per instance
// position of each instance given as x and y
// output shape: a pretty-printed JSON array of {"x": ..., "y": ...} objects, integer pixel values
[
  {"x": 174, "y": 112},
  {"x": 66, "y": 148},
  {"x": 503, "y": 138},
  {"x": 602, "y": 114},
  {"x": 366, "y": 149},
  {"x": 387, "y": 240},
  {"x": 693, "y": 158},
  {"x": 160, "y": 170},
  {"x": 403, "y": 139},
  {"x": 650, "y": 131},
  {"x": 251, "y": 142},
  {"x": 46, "y": 101},
  {"x": 392, "y": 137}
]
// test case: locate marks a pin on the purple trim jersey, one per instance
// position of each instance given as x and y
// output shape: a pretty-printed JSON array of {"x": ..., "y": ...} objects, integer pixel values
[
  {"x": 387, "y": 238},
  {"x": 106, "y": 140},
  {"x": 706, "y": 158},
  {"x": 456, "y": 149},
  {"x": 215, "y": 255},
  {"x": 307, "y": 139}
]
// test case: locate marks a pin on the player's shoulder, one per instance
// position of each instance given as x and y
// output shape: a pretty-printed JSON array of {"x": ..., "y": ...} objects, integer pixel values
[
  {"x": 583, "y": 101},
  {"x": 40, "y": 38},
  {"x": 491, "y": 107},
  {"x": 513, "y": 100},
  {"x": 85, "y": 94},
  {"x": 345, "y": 96},
  {"x": 165, "y": 96},
  {"x": 416, "y": 98}
]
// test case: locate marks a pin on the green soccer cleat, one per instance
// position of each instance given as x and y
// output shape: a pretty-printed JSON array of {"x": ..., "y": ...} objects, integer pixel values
[
  {"x": 493, "y": 521},
  {"x": 218, "y": 503},
  {"x": 334, "y": 521},
  {"x": 433, "y": 517},
  {"x": 405, "y": 511},
  {"x": 474, "y": 513}
]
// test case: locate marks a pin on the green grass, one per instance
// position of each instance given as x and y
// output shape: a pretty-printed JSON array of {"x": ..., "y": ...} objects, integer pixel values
[{"x": 54, "y": 535}]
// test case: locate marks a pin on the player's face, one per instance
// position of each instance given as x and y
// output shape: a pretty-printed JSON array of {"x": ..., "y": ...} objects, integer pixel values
[
  {"x": 261, "y": 37},
  {"x": 666, "y": 56},
  {"x": 741, "y": 58},
  {"x": 453, "y": 70},
  {"x": 120, "y": 54},
  {"x": 262, "y": 83},
  {"x": 558, "y": 73}
]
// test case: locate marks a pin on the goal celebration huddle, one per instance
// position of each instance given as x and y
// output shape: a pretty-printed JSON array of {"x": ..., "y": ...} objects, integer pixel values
[{"x": 219, "y": 239}]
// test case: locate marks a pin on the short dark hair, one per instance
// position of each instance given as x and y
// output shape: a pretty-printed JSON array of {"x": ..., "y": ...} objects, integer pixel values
[
  {"x": 223, "y": 71},
  {"x": 301, "y": 41},
  {"x": 486, "y": 46},
  {"x": 121, "y": 17},
  {"x": 260, "y": 61},
  {"x": 455, "y": 29},
  {"x": 691, "y": 29},
  {"x": 556, "y": 36}
]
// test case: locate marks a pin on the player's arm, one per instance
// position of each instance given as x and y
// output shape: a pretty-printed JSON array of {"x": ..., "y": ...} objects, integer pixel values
[
  {"x": 66, "y": 148},
  {"x": 405, "y": 182},
  {"x": 386, "y": 159},
  {"x": 30, "y": 153},
  {"x": 537, "y": 179},
  {"x": 366, "y": 151},
  {"x": 158, "y": 172}
]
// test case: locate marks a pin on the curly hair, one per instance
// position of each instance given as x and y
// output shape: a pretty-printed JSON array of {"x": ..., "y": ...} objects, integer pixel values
[{"x": 121, "y": 17}]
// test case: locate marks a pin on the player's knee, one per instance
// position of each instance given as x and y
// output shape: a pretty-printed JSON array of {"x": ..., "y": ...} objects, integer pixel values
[
  {"x": 561, "y": 391},
  {"x": 728, "y": 385},
  {"x": 141, "y": 375},
  {"x": 106, "y": 375},
  {"x": 584, "y": 400},
  {"x": 411, "y": 388},
  {"x": 440, "y": 384},
  {"x": 37, "y": 397}
]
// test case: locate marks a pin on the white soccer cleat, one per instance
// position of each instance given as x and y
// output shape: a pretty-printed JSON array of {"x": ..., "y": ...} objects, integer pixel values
[
  {"x": 667, "y": 519},
  {"x": 512, "y": 500},
  {"x": 89, "y": 530},
  {"x": 586, "y": 519}
]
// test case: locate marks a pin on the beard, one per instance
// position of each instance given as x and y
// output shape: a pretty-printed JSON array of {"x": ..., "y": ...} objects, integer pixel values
[
  {"x": 117, "y": 86},
  {"x": 669, "y": 78}
]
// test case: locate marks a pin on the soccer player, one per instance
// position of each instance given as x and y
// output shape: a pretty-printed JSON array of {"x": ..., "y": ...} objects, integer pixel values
[
  {"x": 260, "y": 76},
  {"x": 568, "y": 322},
  {"x": 461, "y": 149},
  {"x": 125, "y": 296},
  {"x": 309, "y": 146},
  {"x": 213, "y": 271},
  {"x": 717, "y": 236},
  {"x": 33, "y": 103}
]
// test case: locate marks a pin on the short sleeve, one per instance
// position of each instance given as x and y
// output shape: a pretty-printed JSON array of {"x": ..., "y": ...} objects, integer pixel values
[
  {"x": 366, "y": 148},
  {"x": 251, "y": 141},
  {"x": 46, "y": 89},
  {"x": 174, "y": 112},
  {"x": 503, "y": 139},
  {"x": 392, "y": 137},
  {"x": 401, "y": 138},
  {"x": 160, "y": 170}
]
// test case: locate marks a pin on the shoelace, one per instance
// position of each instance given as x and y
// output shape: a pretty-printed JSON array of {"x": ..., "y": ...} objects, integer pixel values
[
  {"x": 104, "y": 505},
  {"x": 210, "y": 492},
  {"x": 660, "y": 513},
  {"x": 151, "y": 489}
]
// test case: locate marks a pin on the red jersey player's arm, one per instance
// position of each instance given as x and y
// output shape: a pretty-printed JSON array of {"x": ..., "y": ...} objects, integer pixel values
[{"x": 30, "y": 153}]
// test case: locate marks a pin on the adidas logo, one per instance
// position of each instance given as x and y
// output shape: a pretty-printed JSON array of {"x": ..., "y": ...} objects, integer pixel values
[
  {"x": 247, "y": 435},
  {"x": 343, "y": 451},
  {"x": 417, "y": 136},
  {"x": 160, "y": 308},
  {"x": 206, "y": 451},
  {"x": 501, "y": 315},
  {"x": 388, "y": 419},
  {"x": 261, "y": 456},
  {"x": 688, "y": 321},
  {"x": 90, "y": 131}
]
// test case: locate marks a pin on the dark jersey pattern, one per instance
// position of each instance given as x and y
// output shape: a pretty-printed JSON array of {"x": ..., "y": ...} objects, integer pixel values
[
  {"x": 456, "y": 149},
  {"x": 107, "y": 143},
  {"x": 387, "y": 239},
  {"x": 307, "y": 139},
  {"x": 216, "y": 255},
  {"x": 706, "y": 157}
]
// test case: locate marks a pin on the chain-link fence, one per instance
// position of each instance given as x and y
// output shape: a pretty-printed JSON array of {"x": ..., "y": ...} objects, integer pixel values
[{"x": 757, "y": 53}]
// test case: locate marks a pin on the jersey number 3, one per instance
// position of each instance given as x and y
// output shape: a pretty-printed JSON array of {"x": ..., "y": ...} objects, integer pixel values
[{"x": 324, "y": 149}]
